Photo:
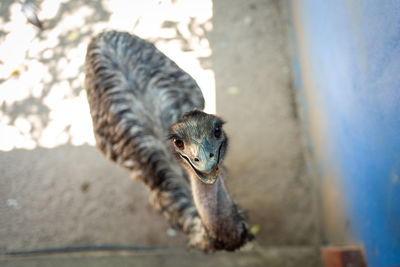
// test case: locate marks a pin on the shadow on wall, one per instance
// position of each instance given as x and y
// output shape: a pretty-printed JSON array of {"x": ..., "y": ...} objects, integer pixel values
[{"x": 41, "y": 97}]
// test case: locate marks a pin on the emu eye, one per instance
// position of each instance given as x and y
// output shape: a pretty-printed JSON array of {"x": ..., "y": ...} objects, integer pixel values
[
  {"x": 179, "y": 144},
  {"x": 217, "y": 132}
]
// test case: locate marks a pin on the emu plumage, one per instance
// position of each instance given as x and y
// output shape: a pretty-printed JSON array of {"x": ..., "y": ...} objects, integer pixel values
[{"x": 138, "y": 98}]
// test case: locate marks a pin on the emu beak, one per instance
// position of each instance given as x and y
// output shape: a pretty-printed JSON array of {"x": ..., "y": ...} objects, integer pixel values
[{"x": 206, "y": 162}]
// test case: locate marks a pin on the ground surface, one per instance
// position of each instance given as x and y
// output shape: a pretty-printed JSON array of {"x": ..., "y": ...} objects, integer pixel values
[
  {"x": 273, "y": 257},
  {"x": 56, "y": 189}
]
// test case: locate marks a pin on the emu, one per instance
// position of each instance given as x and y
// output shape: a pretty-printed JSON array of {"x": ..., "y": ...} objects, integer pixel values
[{"x": 147, "y": 117}]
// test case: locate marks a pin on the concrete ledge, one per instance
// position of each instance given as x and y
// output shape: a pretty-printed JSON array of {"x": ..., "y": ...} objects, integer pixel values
[{"x": 257, "y": 256}]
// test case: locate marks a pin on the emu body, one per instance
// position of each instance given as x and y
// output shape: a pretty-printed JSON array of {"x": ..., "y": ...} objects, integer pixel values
[{"x": 146, "y": 118}]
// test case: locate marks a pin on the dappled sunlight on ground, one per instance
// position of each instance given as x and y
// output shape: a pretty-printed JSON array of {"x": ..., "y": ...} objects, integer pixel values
[{"x": 42, "y": 99}]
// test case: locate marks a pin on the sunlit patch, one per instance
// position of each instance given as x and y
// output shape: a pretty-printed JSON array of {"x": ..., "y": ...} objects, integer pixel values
[
  {"x": 49, "y": 8},
  {"x": 42, "y": 99}
]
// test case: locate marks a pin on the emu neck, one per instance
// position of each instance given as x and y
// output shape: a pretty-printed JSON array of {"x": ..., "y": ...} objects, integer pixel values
[{"x": 214, "y": 207}]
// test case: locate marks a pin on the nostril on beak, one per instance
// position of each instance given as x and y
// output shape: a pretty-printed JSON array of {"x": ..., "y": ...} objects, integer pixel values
[
  {"x": 196, "y": 159},
  {"x": 211, "y": 155}
]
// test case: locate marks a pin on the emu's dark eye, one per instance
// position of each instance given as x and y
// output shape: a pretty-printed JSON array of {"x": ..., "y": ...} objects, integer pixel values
[
  {"x": 217, "y": 132},
  {"x": 179, "y": 144}
]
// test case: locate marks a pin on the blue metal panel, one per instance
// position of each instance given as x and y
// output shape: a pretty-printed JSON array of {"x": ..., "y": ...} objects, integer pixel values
[{"x": 349, "y": 56}]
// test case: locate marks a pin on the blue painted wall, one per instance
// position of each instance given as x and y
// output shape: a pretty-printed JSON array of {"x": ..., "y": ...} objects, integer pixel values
[{"x": 347, "y": 69}]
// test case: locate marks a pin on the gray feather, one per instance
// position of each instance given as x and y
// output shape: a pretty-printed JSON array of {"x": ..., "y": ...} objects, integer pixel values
[{"x": 29, "y": 11}]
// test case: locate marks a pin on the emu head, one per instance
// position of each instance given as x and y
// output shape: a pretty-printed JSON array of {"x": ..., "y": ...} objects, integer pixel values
[{"x": 200, "y": 142}]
